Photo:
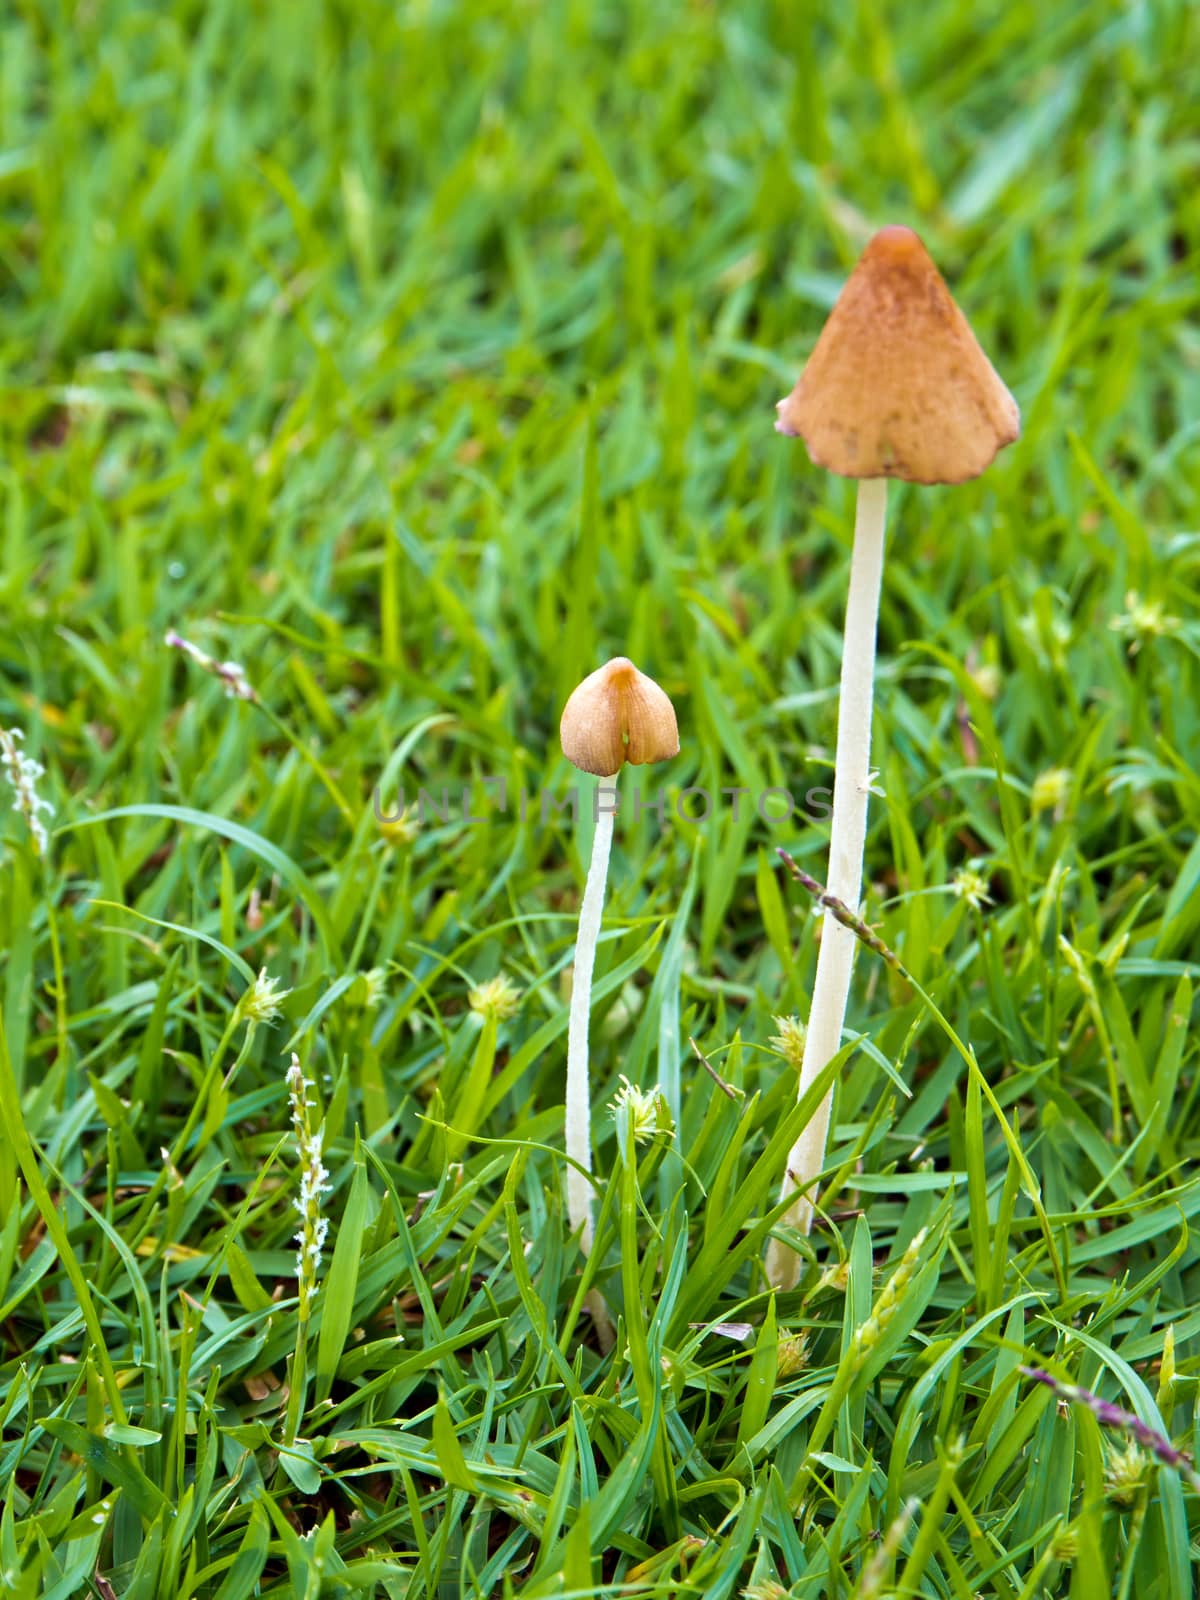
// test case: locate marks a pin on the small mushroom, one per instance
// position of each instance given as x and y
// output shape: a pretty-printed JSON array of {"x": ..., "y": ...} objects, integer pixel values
[
  {"x": 896, "y": 387},
  {"x": 617, "y": 714}
]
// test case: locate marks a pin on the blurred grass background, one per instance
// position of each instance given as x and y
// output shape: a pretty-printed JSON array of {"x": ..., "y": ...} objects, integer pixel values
[{"x": 419, "y": 357}]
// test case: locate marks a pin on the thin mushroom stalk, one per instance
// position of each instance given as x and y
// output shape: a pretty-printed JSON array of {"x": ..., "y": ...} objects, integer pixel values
[
  {"x": 896, "y": 387},
  {"x": 617, "y": 714},
  {"x": 847, "y": 839},
  {"x": 591, "y": 914}
]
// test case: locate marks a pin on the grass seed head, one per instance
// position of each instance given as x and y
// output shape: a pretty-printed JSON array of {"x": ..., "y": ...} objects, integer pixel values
[
  {"x": 789, "y": 1041},
  {"x": 972, "y": 886},
  {"x": 792, "y": 1354},
  {"x": 644, "y": 1112},
  {"x": 402, "y": 829},
  {"x": 1051, "y": 790},
  {"x": 872, "y": 1330},
  {"x": 262, "y": 1001},
  {"x": 1065, "y": 1545},
  {"x": 1126, "y": 1473},
  {"x": 1143, "y": 620},
  {"x": 495, "y": 1000}
]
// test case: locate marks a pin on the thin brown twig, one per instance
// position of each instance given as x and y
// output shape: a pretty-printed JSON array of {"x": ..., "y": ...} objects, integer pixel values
[
  {"x": 725, "y": 1088},
  {"x": 841, "y": 912}
]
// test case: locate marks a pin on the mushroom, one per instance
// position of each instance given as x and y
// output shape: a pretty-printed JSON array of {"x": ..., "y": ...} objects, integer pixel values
[
  {"x": 617, "y": 714},
  {"x": 896, "y": 387}
]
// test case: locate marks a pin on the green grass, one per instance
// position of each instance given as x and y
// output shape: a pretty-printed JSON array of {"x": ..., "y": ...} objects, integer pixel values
[{"x": 418, "y": 357}]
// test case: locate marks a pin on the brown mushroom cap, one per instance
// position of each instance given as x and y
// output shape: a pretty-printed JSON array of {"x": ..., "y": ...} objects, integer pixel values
[
  {"x": 897, "y": 386},
  {"x": 618, "y": 714}
]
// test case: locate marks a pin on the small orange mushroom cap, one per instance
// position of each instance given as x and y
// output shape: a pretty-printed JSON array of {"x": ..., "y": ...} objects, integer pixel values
[
  {"x": 897, "y": 385},
  {"x": 618, "y": 714}
]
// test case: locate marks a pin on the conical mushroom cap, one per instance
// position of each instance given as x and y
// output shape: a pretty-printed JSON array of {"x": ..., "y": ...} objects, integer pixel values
[
  {"x": 618, "y": 714},
  {"x": 897, "y": 386}
]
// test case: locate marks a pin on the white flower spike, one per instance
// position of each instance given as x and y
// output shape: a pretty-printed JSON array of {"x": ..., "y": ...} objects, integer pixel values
[
  {"x": 23, "y": 772},
  {"x": 314, "y": 1182}
]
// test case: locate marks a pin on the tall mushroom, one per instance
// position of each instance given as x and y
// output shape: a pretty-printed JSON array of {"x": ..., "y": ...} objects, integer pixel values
[
  {"x": 617, "y": 714},
  {"x": 896, "y": 387}
]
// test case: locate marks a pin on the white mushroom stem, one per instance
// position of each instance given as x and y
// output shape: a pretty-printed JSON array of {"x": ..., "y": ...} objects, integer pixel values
[
  {"x": 579, "y": 1137},
  {"x": 851, "y": 791}
]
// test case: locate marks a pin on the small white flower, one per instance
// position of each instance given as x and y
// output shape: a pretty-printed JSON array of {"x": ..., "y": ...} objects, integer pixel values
[{"x": 23, "y": 772}]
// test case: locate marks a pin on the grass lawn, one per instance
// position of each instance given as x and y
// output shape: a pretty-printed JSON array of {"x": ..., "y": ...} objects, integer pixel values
[{"x": 412, "y": 359}]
